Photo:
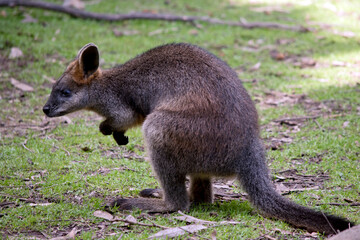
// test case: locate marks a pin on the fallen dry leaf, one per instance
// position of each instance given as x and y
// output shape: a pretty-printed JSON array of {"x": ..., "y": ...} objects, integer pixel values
[
  {"x": 349, "y": 234},
  {"x": 304, "y": 62},
  {"x": 221, "y": 186},
  {"x": 269, "y": 9},
  {"x": 130, "y": 219},
  {"x": 274, "y": 98},
  {"x": 281, "y": 188},
  {"x": 39, "y": 204},
  {"x": 160, "y": 31},
  {"x": 346, "y": 124},
  {"x": 285, "y": 41},
  {"x": 120, "y": 33},
  {"x": 276, "y": 55},
  {"x": 29, "y": 19},
  {"x": 256, "y": 43},
  {"x": 213, "y": 235},
  {"x": 177, "y": 231},
  {"x": 339, "y": 64},
  {"x": 22, "y": 86},
  {"x": 193, "y": 32},
  {"x": 191, "y": 219},
  {"x": 50, "y": 79},
  {"x": 104, "y": 215},
  {"x": 255, "y": 67},
  {"x": 345, "y": 34},
  {"x": 295, "y": 60},
  {"x": 70, "y": 235},
  {"x": 15, "y": 53},
  {"x": 74, "y": 3}
]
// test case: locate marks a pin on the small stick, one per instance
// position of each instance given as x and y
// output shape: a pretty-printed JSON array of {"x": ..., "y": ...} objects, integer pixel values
[
  {"x": 140, "y": 224},
  {"x": 269, "y": 237},
  {"x": 327, "y": 220},
  {"x": 318, "y": 124},
  {"x": 156, "y": 225},
  {"x": 355, "y": 204},
  {"x": 24, "y": 143},
  {"x": 296, "y": 118}
]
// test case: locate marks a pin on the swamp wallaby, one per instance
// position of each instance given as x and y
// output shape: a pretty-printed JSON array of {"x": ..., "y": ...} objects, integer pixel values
[{"x": 197, "y": 121}]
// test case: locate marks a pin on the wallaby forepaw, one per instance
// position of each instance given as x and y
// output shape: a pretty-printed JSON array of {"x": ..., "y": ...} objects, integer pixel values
[
  {"x": 120, "y": 138},
  {"x": 105, "y": 129}
]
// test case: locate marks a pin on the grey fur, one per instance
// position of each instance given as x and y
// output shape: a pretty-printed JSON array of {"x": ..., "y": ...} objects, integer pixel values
[{"x": 197, "y": 120}]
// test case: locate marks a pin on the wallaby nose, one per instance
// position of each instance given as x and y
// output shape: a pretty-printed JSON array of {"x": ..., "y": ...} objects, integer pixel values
[{"x": 46, "y": 109}]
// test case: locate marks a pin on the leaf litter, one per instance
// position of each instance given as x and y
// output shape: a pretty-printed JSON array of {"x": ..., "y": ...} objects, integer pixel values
[
  {"x": 22, "y": 86},
  {"x": 15, "y": 53},
  {"x": 290, "y": 180},
  {"x": 287, "y": 181},
  {"x": 196, "y": 224}
]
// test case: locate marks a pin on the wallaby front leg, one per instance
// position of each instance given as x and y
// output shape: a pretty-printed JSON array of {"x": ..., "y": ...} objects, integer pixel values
[
  {"x": 120, "y": 138},
  {"x": 107, "y": 129}
]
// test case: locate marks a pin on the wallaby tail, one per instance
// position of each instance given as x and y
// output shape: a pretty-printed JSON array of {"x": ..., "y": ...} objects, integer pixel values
[{"x": 255, "y": 179}]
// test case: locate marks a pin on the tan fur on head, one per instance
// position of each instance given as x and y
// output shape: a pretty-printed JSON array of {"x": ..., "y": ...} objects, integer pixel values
[{"x": 77, "y": 74}]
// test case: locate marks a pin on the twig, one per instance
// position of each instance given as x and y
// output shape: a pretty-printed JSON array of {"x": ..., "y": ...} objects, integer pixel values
[
  {"x": 45, "y": 235},
  {"x": 66, "y": 151},
  {"x": 142, "y": 15},
  {"x": 140, "y": 224},
  {"x": 296, "y": 118},
  {"x": 327, "y": 220},
  {"x": 57, "y": 220},
  {"x": 269, "y": 237},
  {"x": 156, "y": 225},
  {"x": 355, "y": 204},
  {"x": 299, "y": 190},
  {"x": 318, "y": 124},
  {"x": 24, "y": 145},
  {"x": 18, "y": 198}
]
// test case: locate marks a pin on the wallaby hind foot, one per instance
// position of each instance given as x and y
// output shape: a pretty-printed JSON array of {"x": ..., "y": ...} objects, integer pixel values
[{"x": 151, "y": 193}]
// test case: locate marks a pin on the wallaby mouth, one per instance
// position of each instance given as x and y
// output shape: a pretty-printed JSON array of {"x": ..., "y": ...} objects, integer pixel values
[{"x": 51, "y": 112}]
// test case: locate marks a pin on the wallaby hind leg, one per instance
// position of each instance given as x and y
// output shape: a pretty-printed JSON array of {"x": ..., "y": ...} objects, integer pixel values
[
  {"x": 175, "y": 198},
  {"x": 173, "y": 187},
  {"x": 200, "y": 189}
]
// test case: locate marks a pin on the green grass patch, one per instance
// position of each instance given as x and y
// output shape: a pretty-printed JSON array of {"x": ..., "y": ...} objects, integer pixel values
[{"x": 76, "y": 170}]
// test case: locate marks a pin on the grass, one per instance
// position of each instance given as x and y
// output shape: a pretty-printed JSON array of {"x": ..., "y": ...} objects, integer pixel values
[{"x": 77, "y": 170}]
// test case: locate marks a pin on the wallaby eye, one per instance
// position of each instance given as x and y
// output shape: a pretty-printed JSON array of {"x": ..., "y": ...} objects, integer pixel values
[{"x": 65, "y": 93}]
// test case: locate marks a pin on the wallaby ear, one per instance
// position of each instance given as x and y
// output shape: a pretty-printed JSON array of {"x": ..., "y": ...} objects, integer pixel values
[{"x": 88, "y": 57}]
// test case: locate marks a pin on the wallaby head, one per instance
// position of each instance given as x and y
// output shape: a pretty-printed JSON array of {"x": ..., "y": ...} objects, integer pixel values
[{"x": 70, "y": 92}]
